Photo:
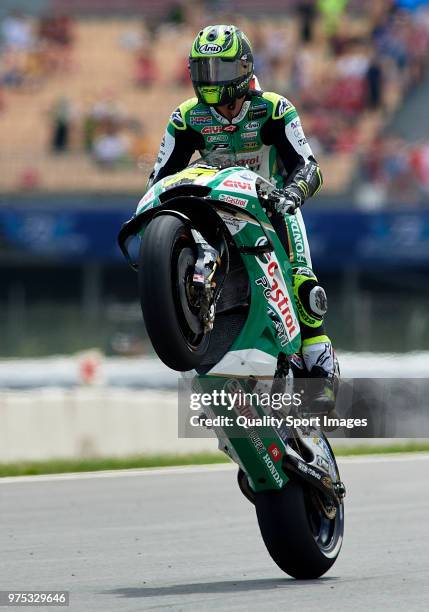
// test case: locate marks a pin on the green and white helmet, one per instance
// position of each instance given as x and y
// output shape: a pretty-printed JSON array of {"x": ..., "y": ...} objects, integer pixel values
[{"x": 221, "y": 64}]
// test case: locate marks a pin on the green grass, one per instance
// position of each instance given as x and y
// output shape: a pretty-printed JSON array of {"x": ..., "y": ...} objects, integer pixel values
[
  {"x": 60, "y": 466},
  {"x": 367, "y": 449},
  {"x": 95, "y": 464}
]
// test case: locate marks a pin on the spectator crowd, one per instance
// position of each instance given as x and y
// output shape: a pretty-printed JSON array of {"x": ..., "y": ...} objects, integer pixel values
[
  {"x": 104, "y": 130},
  {"x": 31, "y": 50},
  {"x": 394, "y": 171},
  {"x": 346, "y": 64}
]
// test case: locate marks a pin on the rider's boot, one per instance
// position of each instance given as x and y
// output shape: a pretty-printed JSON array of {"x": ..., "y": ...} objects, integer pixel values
[
  {"x": 322, "y": 366},
  {"x": 317, "y": 352}
]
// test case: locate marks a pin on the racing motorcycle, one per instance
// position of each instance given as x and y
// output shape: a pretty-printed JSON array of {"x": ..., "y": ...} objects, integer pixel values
[{"x": 216, "y": 292}]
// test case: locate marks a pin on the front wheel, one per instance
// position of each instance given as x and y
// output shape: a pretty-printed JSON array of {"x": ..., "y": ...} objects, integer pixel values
[
  {"x": 297, "y": 530},
  {"x": 166, "y": 265}
]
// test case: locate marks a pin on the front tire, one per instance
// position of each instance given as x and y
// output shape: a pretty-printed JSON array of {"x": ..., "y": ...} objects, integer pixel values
[
  {"x": 302, "y": 541},
  {"x": 166, "y": 264}
]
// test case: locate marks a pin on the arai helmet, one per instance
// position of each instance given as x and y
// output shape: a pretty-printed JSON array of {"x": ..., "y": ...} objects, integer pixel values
[{"x": 221, "y": 64}]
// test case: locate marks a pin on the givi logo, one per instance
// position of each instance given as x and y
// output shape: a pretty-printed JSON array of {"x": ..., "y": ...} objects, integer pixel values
[
  {"x": 238, "y": 184},
  {"x": 212, "y": 129},
  {"x": 218, "y": 129},
  {"x": 275, "y": 452}
]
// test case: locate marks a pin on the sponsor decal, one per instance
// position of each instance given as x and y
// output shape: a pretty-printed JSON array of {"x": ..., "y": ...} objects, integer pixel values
[
  {"x": 198, "y": 111},
  {"x": 212, "y": 129},
  {"x": 230, "y": 128},
  {"x": 246, "y": 410},
  {"x": 304, "y": 271},
  {"x": 256, "y": 441},
  {"x": 321, "y": 462},
  {"x": 146, "y": 199},
  {"x": 176, "y": 118},
  {"x": 162, "y": 152},
  {"x": 282, "y": 107},
  {"x": 218, "y": 129},
  {"x": 219, "y": 146},
  {"x": 275, "y": 452},
  {"x": 280, "y": 328},
  {"x": 250, "y": 145},
  {"x": 252, "y": 162},
  {"x": 298, "y": 240},
  {"x": 201, "y": 119},
  {"x": 218, "y": 138},
  {"x": 233, "y": 200},
  {"x": 328, "y": 454},
  {"x": 257, "y": 111},
  {"x": 297, "y": 361},
  {"x": 257, "y": 114},
  {"x": 275, "y": 295},
  {"x": 233, "y": 224},
  {"x": 249, "y": 134},
  {"x": 273, "y": 470},
  {"x": 209, "y": 48},
  {"x": 252, "y": 125},
  {"x": 243, "y": 185},
  {"x": 306, "y": 469},
  {"x": 302, "y": 141},
  {"x": 295, "y": 124}
]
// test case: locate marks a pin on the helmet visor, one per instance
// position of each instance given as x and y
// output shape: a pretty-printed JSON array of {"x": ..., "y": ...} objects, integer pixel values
[{"x": 215, "y": 70}]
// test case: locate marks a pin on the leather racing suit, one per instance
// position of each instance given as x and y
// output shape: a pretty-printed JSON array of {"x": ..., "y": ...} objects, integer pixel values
[{"x": 267, "y": 137}]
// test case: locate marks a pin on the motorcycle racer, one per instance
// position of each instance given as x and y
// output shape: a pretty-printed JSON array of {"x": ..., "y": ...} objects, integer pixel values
[{"x": 230, "y": 123}]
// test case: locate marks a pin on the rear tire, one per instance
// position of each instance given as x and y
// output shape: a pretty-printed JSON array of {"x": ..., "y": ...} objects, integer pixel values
[
  {"x": 289, "y": 527},
  {"x": 166, "y": 264}
]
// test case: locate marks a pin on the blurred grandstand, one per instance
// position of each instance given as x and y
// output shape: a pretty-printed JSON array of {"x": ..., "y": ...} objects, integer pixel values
[
  {"x": 86, "y": 88},
  {"x": 79, "y": 96}
]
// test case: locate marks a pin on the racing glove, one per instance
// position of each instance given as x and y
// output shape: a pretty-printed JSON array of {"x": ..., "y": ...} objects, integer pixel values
[{"x": 286, "y": 201}]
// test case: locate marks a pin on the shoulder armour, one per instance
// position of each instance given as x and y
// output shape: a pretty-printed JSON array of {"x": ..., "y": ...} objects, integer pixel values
[
  {"x": 178, "y": 117},
  {"x": 282, "y": 107}
]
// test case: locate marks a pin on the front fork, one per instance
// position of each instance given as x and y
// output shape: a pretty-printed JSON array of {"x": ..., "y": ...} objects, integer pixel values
[{"x": 205, "y": 290}]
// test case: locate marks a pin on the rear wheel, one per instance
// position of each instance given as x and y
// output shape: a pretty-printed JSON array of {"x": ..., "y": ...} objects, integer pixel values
[
  {"x": 166, "y": 266},
  {"x": 297, "y": 530}
]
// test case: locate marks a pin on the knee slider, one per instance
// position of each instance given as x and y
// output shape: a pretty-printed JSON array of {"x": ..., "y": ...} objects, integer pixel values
[
  {"x": 310, "y": 297},
  {"x": 318, "y": 301}
]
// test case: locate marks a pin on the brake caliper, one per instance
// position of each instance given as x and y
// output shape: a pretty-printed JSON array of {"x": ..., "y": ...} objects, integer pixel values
[{"x": 203, "y": 286}]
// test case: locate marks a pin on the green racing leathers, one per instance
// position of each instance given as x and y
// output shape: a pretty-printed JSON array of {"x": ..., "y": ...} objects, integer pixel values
[{"x": 267, "y": 137}]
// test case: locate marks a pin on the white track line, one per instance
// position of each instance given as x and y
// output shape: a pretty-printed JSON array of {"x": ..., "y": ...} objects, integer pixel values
[{"x": 201, "y": 469}]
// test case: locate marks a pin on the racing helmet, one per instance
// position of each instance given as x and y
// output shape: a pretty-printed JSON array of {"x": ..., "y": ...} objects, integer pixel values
[{"x": 221, "y": 64}]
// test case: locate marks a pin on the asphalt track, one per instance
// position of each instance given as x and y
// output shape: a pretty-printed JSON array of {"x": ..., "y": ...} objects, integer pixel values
[{"x": 185, "y": 539}]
